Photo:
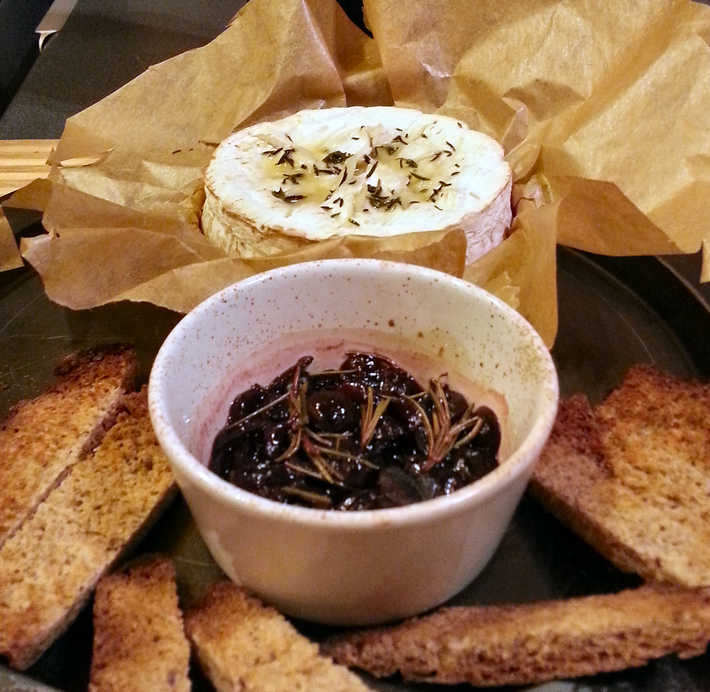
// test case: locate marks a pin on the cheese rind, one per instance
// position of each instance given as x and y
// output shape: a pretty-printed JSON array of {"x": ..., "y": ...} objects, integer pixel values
[{"x": 378, "y": 171}]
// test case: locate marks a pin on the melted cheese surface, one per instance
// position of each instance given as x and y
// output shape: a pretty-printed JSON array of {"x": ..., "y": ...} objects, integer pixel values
[{"x": 377, "y": 171}]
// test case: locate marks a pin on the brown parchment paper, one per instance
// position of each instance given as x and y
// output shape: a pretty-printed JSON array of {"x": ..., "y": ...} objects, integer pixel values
[
  {"x": 9, "y": 254},
  {"x": 603, "y": 110},
  {"x": 579, "y": 93}
]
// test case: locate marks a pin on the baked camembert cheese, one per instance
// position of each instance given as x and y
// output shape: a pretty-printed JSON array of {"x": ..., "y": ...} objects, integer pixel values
[{"x": 369, "y": 171}]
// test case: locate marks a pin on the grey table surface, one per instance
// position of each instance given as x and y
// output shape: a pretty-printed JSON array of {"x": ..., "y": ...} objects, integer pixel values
[{"x": 102, "y": 46}]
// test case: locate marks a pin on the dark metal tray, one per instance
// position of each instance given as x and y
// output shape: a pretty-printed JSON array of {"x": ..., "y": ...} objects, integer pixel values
[{"x": 613, "y": 313}]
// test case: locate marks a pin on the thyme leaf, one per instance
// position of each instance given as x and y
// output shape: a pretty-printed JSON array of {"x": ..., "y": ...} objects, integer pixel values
[
  {"x": 335, "y": 157},
  {"x": 290, "y": 199}
]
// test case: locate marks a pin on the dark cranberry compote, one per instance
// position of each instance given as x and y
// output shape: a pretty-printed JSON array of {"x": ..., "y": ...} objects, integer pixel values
[{"x": 364, "y": 436}]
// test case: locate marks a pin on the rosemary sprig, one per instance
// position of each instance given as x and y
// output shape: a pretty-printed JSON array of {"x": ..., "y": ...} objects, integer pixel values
[
  {"x": 302, "y": 409},
  {"x": 316, "y": 499},
  {"x": 358, "y": 458},
  {"x": 292, "y": 447},
  {"x": 370, "y": 416},
  {"x": 478, "y": 424},
  {"x": 302, "y": 469},
  {"x": 444, "y": 433},
  {"x": 263, "y": 408},
  {"x": 298, "y": 412},
  {"x": 334, "y": 435},
  {"x": 328, "y": 473},
  {"x": 425, "y": 421},
  {"x": 318, "y": 437}
]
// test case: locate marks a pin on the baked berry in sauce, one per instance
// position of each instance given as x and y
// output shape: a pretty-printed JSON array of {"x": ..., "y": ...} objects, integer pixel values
[{"x": 365, "y": 436}]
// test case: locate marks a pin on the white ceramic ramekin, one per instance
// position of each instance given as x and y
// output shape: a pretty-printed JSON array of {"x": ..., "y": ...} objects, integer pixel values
[{"x": 351, "y": 567}]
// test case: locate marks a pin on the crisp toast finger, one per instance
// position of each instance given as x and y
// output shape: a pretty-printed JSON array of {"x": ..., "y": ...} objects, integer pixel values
[
  {"x": 139, "y": 642},
  {"x": 537, "y": 642},
  {"x": 43, "y": 437},
  {"x": 245, "y": 645},
  {"x": 49, "y": 567}
]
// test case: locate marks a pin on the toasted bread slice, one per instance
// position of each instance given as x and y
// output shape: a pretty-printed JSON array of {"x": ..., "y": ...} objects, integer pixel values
[
  {"x": 632, "y": 476},
  {"x": 53, "y": 561},
  {"x": 532, "y": 643},
  {"x": 245, "y": 645},
  {"x": 43, "y": 437},
  {"x": 139, "y": 642}
]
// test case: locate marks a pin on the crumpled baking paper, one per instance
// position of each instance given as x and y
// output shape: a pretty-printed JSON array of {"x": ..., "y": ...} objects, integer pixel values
[{"x": 603, "y": 110}]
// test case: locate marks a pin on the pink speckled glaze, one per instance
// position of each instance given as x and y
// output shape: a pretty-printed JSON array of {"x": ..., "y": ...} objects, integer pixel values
[{"x": 354, "y": 567}]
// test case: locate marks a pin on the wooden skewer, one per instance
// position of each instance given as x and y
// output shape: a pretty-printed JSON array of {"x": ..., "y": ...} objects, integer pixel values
[{"x": 22, "y": 161}]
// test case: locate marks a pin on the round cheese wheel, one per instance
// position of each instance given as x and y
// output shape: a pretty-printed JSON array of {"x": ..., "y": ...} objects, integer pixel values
[{"x": 371, "y": 171}]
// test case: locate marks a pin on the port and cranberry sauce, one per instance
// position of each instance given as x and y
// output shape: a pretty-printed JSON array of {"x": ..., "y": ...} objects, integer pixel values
[{"x": 364, "y": 436}]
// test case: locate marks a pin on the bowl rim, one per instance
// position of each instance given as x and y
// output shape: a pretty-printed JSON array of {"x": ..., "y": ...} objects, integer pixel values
[{"x": 516, "y": 464}]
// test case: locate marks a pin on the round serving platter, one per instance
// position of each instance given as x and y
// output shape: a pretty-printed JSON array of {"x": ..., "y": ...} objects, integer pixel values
[{"x": 613, "y": 313}]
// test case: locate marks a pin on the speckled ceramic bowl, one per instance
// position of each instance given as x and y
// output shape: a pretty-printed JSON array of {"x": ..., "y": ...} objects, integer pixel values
[{"x": 350, "y": 567}]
